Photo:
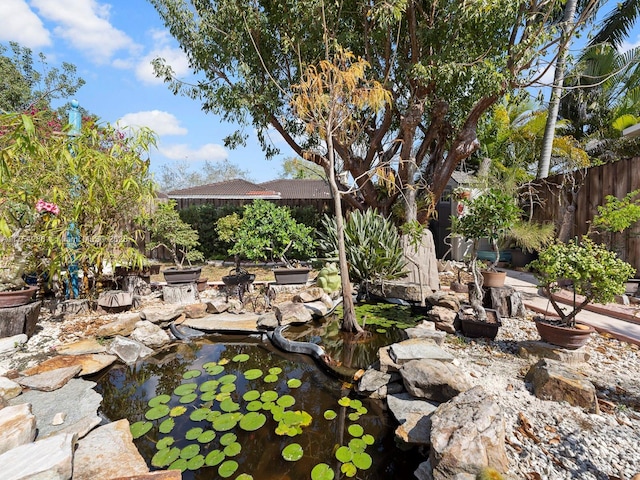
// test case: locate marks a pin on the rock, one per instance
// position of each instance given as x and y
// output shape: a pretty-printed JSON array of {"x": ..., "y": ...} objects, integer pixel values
[
  {"x": 81, "y": 347},
  {"x": 108, "y": 452},
  {"x": 58, "y": 418},
  {"x": 217, "y": 305},
  {"x": 318, "y": 309},
  {"x": 552, "y": 380},
  {"x": 424, "y": 333},
  {"x": 195, "y": 310},
  {"x": 9, "y": 389},
  {"x": 77, "y": 400},
  {"x": 506, "y": 300},
  {"x": 444, "y": 299},
  {"x": 467, "y": 433},
  {"x": 129, "y": 350},
  {"x": 290, "y": 312},
  {"x": 328, "y": 301},
  {"x": 161, "y": 313},
  {"x": 50, "y": 380},
  {"x": 235, "y": 306},
  {"x": 538, "y": 349},
  {"x": 267, "y": 321},
  {"x": 433, "y": 380},
  {"x": 424, "y": 471},
  {"x": 387, "y": 364},
  {"x": 180, "y": 294},
  {"x": 309, "y": 295},
  {"x": 124, "y": 325},
  {"x": 157, "y": 475},
  {"x": 91, "y": 363},
  {"x": 18, "y": 427},
  {"x": 115, "y": 299},
  {"x": 443, "y": 318},
  {"x": 416, "y": 349},
  {"x": 374, "y": 379},
  {"x": 10, "y": 344},
  {"x": 398, "y": 289},
  {"x": 71, "y": 308},
  {"x": 19, "y": 320},
  {"x": 150, "y": 334},
  {"x": 424, "y": 255},
  {"x": 48, "y": 459},
  {"x": 414, "y": 417}
]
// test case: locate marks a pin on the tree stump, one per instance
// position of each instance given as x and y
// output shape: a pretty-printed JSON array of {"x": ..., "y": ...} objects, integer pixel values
[
  {"x": 506, "y": 300},
  {"x": 17, "y": 320},
  {"x": 181, "y": 293}
]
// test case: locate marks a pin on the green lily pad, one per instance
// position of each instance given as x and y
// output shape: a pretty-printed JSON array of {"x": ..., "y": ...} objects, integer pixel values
[
  {"x": 196, "y": 463},
  {"x": 354, "y": 417},
  {"x": 208, "y": 365},
  {"x": 293, "y": 383},
  {"x": 188, "y": 398},
  {"x": 209, "y": 386},
  {"x": 214, "y": 458},
  {"x": 167, "y": 425},
  {"x": 271, "y": 378},
  {"x": 191, "y": 374},
  {"x": 381, "y": 330},
  {"x": 349, "y": 469},
  {"x": 215, "y": 369},
  {"x": 355, "y": 403},
  {"x": 224, "y": 422},
  {"x": 275, "y": 371},
  {"x": 362, "y": 460},
  {"x": 206, "y": 436},
  {"x": 269, "y": 396},
  {"x": 254, "y": 406},
  {"x": 228, "y": 439},
  {"x": 286, "y": 401},
  {"x": 291, "y": 417},
  {"x": 306, "y": 419},
  {"x": 228, "y": 405},
  {"x": 344, "y": 455},
  {"x": 252, "y": 421},
  {"x": 199, "y": 414},
  {"x": 228, "y": 388},
  {"x": 190, "y": 451},
  {"x": 165, "y": 457},
  {"x": 193, "y": 433},
  {"x": 138, "y": 429},
  {"x": 208, "y": 396},
  {"x": 155, "y": 401},
  {"x": 241, "y": 357},
  {"x": 330, "y": 414},
  {"x": 229, "y": 378},
  {"x": 322, "y": 471},
  {"x": 165, "y": 442},
  {"x": 157, "y": 412},
  {"x": 251, "y": 395},
  {"x": 357, "y": 445},
  {"x": 222, "y": 396},
  {"x": 244, "y": 476},
  {"x": 185, "y": 389},
  {"x": 368, "y": 439},
  {"x": 253, "y": 374},
  {"x": 344, "y": 402},
  {"x": 227, "y": 468},
  {"x": 277, "y": 412},
  {"x": 179, "y": 464},
  {"x": 355, "y": 430},
  {"x": 362, "y": 411},
  {"x": 232, "y": 449},
  {"x": 213, "y": 415},
  {"x": 292, "y": 452},
  {"x": 177, "y": 411}
]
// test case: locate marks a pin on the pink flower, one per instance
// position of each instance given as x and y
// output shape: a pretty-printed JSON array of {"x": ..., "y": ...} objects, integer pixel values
[{"x": 50, "y": 207}]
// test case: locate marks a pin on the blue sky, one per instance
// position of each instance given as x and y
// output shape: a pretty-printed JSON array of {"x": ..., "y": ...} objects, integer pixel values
[{"x": 112, "y": 44}]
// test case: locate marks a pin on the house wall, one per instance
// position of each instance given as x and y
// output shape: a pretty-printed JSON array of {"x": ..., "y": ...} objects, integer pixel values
[{"x": 320, "y": 204}]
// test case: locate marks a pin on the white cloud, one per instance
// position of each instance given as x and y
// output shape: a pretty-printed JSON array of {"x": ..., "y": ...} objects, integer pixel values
[
  {"x": 209, "y": 151},
  {"x": 162, "y": 123},
  {"x": 627, "y": 45},
  {"x": 173, "y": 56},
  {"x": 85, "y": 25},
  {"x": 18, "y": 23}
]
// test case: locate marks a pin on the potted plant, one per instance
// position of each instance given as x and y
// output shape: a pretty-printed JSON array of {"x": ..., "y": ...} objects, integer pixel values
[
  {"x": 166, "y": 229},
  {"x": 595, "y": 273},
  {"x": 268, "y": 232}
]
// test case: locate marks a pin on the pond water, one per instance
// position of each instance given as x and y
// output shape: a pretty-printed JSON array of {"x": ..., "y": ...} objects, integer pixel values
[{"x": 235, "y": 407}]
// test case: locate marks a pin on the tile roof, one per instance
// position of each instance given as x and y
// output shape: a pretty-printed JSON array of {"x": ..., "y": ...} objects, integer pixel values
[
  {"x": 311, "y": 189},
  {"x": 238, "y": 188}
]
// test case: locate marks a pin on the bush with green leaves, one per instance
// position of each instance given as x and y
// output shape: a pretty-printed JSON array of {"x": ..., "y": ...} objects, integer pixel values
[
  {"x": 203, "y": 219},
  {"x": 374, "y": 250},
  {"x": 268, "y": 232},
  {"x": 596, "y": 272}
]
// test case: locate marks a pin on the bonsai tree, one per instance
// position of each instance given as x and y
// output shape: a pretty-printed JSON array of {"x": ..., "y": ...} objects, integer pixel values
[
  {"x": 268, "y": 232},
  {"x": 596, "y": 272},
  {"x": 616, "y": 216},
  {"x": 166, "y": 229}
]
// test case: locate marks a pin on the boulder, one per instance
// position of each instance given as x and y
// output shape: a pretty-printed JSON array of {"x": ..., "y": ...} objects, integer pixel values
[
  {"x": 161, "y": 313},
  {"x": 427, "y": 334},
  {"x": 537, "y": 350},
  {"x": 217, "y": 305},
  {"x": 108, "y": 452},
  {"x": 181, "y": 294},
  {"x": 48, "y": 459},
  {"x": 308, "y": 295},
  {"x": 443, "y": 318},
  {"x": 115, "y": 299},
  {"x": 267, "y": 321},
  {"x": 81, "y": 347},
  {"x": 403, "y": 290},
  {"x": 18, "y": 427},
  {"x": 10, "y": 344},
  {"x": 91, "y": 363},
  {"x": 467, "y": 434},
  {"x": 50, "y": 380},
  {"x": 318, "y": 309},
  {"x": 433, "y": 379},
  {"x": 377, "y": 384},
  {"x": 129, "y": 350},
  {"x": 291, "y": 312},
  {"x": 123, "y": 325},
  {"x": 19, "y": 320},
  {"x": 195, "y": 310},
  {"x": 413, "y": 415},
  {"x": 9, "y": 389},
  {"x": 421, "y": 261},
  {"x": 553, "y": 380},
  {"x": 416, "y": 349},
  {"x": 444, "y": 299},
  {"x": 387, "y": 364},
  {"x": 150, "y": 334}
]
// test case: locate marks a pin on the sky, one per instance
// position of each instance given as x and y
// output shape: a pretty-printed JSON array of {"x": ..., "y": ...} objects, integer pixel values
[{"x": 112, "y": 44}]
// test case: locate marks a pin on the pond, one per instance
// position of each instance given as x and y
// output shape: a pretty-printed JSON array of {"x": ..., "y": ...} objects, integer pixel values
[{"x": 235, "y": 407}]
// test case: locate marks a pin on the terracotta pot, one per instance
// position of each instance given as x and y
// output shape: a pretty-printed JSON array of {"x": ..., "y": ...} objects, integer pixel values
[
  {"x": 15, "y": 298},
  {"x": 289, "y": 276},
  {"x": 493, "y": 279},
  {"x": 566, "y": 337},
  {"x": 184, "y": 275},
  {"x": 202, "y": 284}
]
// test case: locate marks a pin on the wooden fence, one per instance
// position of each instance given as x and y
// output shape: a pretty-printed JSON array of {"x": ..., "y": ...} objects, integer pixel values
[{"x": 585, "y": 191}]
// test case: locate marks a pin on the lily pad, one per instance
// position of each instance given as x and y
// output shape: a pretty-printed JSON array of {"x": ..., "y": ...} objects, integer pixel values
[
  {"x": 196, "y": 463},
  {"x": 253, "y": 374},
  {"x": 208, "y": 396},
  {"x": 177, "y": 411},
  {"x": 354, "y": 417},
  {"x": 228, "y": 405},
  {"x": 292, "y": 452},
  {"x": 206, "y": 436},
  {"x": 190, "y": 451},
  {"x": 355, "y": 403},
  {"x": 349, "y": 469},
  {"x": 362, "y": 460},
  {"x": 357, "y": 445},
  {"x": 185, "y": 389},
  {"x": 215, "y": 369},
  {"x": 344, "y": 402},
  {"x": 275, "y": 371},
  {"x": 199, "y": 414},
  {"x": 229, "y": 378},
  {"x": 209, "y": 386},
  {"x": 179, "y": 464},
  {"x": 254, "y": 406},
  {"x": 344, "y": 454},
  {"x": 241, "y": 357},
  {"x": 138, "y": 429},
  {"x": 227, "y": 468},
  {"x": 232, "y": 449},
  {"x": 224, "y": 422},
  {"x": 209, "y": 365},
  {"x": 165, "y": 442},
  {"x": 269, "y": 396},
  {"x": 157, "y": 412},
  {"x": 322, "y": 471},
  {"x": 214, "y": 458},
  {"x": 193, "y": 433},
  {"x": 244, "y": 476},
  {"x": 293, "y": 383},
  {"x": 191, "y": 374},
  {"x": 368, "y": 439},
  {"x": 155, "y": 401},
  {"x": 228, "y": 388},
  {"x": 330, "y": 414},
  {"x": 252, "y": 421},
  {"x": 271, "y": 378},
  {"x": 167, "y": 425},
  {"x": 223, "y": 361},
  {"x": 251, "y": 395},
  {"x": 165, "y": 457},
  {"x": 228, "y": 439},
  {"x": 355, "y": 430},
  {"x": 286, "y": 401},
  {"x": 188, "y": 398}
]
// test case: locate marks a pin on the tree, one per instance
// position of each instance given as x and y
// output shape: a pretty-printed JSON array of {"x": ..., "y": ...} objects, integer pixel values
[
  {"x": 300, "y": 169},
  {"x": 179, "y": 175},
  {"x": 445, "y": 64}
]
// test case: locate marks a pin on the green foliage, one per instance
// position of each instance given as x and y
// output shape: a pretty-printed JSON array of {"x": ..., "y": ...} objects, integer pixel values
[
  {"x": 531, "y": 236},
  {"x": 167, "y": 229},
  {"x": 268, "y": 231},
  {"x": 203, "y": 219},
  {"x": 617, "y": 215},
  {"x": 596, "y": 272},
  {"x": 372, "y": 243}
]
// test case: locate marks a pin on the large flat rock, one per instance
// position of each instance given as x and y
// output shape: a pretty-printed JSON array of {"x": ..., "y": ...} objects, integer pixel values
[
  {"x": 18, "y": 427},
  {"x": 413, "y": 415},
  {"x": 50, "y": 380},
  {"x": 418, "y": 349},
  {"x": 82, "y": 347},
  {"x": 49, "y": 459},
  {"x": 91, "y": 363},
  {"x": 225, "y": 322}
]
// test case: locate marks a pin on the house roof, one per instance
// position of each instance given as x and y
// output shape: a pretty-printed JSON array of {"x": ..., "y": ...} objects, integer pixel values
[{"x": 274, "y": 189}]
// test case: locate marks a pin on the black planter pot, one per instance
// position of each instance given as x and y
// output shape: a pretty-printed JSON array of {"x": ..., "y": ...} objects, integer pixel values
[
  {"x": 238, "y": 277},
  {"x": 290, "y": 276},
  {"x": 473, "y": 328},
  {"x": 184, "y": 275},
  {"x": 520, "y": 259}
]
